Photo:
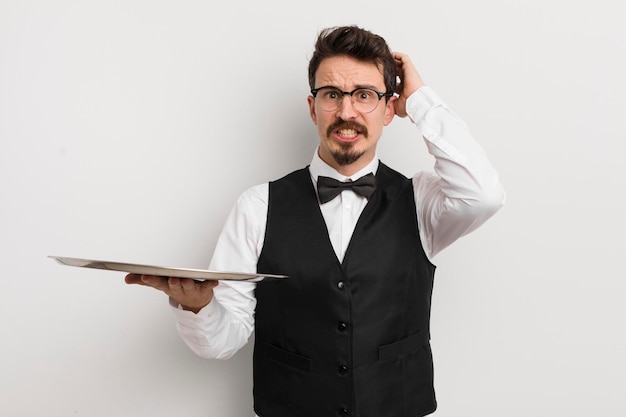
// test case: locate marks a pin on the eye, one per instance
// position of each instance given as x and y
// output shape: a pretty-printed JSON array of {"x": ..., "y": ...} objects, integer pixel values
[
  {"x": 364, "y": 95},
  {"x": 331, "y": 94}
]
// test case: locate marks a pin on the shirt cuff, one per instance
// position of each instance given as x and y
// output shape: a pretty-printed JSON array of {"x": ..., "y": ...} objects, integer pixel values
[
  {"x": 207, "y": 312},
  {"x": 420, "y": 103}
]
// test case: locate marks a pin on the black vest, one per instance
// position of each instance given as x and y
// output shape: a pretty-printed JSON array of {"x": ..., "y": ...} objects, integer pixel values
[{"x": 350, "y": 338}]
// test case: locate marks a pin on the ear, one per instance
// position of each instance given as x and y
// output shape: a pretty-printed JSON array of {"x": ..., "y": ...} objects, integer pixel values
[
  {"x": 390, "y": 110},
  {"x": 311, "y": 101}
]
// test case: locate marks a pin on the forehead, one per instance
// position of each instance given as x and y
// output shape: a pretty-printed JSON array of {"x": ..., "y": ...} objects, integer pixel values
[{"x": 347, "y": 73}]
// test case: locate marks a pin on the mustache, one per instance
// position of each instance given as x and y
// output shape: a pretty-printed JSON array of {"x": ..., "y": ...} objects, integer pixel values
[{"x": 342, "y": 124}]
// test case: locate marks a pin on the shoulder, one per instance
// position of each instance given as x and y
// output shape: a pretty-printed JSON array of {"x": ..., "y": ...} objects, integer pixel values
[
  {"x": 254, "y": 196},
  {"x": 386, "y": 171},
  {"x": 291, "y": 184},
  {"x": 294, "y": 175},
  {"x": 257, "y": 196}
]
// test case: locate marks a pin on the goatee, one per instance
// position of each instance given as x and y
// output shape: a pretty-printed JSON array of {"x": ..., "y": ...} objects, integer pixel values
[{"x": 346, "y": 155}]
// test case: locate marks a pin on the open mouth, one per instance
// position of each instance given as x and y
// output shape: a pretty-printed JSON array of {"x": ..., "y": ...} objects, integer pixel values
[
  {"x": 347, "y": 131},
  {"x": 347, "y": 134}
]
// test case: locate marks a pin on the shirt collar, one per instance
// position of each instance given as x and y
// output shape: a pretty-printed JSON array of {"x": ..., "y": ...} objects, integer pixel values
[{"x": 319, "y": 167}]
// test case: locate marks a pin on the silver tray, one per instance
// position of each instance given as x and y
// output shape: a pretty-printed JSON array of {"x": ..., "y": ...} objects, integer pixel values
[{"x": 197, "y": 274}]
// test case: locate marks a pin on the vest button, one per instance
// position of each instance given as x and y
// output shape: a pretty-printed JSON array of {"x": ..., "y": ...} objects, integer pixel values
[
  {"x": 342, "y": 326},
  {"x": 340, "y": 285},
  {"x": 343, "y": 370},
  {"x": 343, "y": 412}
]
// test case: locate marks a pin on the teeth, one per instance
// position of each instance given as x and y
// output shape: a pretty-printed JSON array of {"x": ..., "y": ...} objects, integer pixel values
[{"x": 347, "y": 132}]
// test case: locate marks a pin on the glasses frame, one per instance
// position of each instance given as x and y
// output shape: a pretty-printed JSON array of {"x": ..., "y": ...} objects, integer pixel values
[{"x": 380, "y": 95}]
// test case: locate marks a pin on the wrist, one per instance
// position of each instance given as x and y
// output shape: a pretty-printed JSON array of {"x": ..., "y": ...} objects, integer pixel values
[{"x": 194, "y": 309}]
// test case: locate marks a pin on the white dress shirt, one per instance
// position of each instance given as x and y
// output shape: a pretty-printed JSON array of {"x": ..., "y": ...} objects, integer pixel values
[{"x": 461, "y": 194}]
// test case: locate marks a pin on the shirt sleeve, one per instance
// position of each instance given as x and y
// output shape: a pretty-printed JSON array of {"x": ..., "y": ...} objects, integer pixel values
[
  {"x": 464, "y": 190},
  {"x": 224, "y": 326}
]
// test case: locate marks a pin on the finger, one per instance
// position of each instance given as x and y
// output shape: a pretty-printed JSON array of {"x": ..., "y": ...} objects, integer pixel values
[
  {"x": 133, "y": 279},
  {"x": 400, "y": 60},
  {"x": 185, "y": 291},
  {"x": 210, "y": 283},
  {"x": 206, "y": 285},
  {"x": 175, "y": 288},
  {"x": 146, "y": 280},
  {"x": 157, "y": 282},
  {"x": 399, "y": 87},
  {"x": 191, "y": 292},
  {"x": 191, "y": 286},
  {"x": 188, "y": 285}
]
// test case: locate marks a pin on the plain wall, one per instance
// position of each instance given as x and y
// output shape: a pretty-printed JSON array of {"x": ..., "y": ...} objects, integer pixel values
[{"x": 129, "y": 128}]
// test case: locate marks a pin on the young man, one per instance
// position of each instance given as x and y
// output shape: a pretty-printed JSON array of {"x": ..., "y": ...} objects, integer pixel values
[{"x": 347, "y": 334}]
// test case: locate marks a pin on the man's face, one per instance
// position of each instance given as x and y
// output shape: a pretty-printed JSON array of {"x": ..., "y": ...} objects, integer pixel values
[{"x": 348, "y": 138}]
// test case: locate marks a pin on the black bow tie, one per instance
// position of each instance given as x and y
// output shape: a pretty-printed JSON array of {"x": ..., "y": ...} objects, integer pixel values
[{"x": 329, "y": 188}]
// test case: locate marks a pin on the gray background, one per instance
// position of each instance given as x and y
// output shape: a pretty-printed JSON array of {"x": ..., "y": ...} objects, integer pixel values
[{"x": 128, "y": 129}]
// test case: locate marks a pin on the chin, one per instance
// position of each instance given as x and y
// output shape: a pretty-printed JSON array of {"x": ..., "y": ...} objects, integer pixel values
[{"x": 347, "y": 155}]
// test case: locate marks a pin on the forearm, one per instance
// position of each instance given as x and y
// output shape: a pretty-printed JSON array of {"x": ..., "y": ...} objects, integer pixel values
[
  {"x": 226, "y": 323},
  {"x": 465, "y": 190},
  {"x": 221, "y": 328}
]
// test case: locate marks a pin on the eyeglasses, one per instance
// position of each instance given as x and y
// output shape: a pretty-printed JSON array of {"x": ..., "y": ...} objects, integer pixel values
[{"x": 364, "y": 100}]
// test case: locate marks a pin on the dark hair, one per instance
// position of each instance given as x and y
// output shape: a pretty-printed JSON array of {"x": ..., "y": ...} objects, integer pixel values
[{"x": 357, "y": 43}]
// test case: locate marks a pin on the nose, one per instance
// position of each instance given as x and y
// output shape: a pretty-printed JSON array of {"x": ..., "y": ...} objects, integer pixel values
[{"x": 346, "y": 109}]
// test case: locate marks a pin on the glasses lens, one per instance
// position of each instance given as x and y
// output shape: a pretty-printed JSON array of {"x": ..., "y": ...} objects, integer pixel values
[
  {"x": 364, "y": 100},
  {"x": 329, "y": 98}
]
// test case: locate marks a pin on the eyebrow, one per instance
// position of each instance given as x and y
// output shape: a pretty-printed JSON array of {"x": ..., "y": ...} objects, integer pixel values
[{"x": 368, "y": 86}]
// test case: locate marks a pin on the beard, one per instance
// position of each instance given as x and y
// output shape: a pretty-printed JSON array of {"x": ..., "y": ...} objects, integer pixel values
[{"x": 346, "y": 154}]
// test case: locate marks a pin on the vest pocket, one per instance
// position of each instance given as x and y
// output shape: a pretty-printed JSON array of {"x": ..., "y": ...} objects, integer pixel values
[
  {"x": 402, "y": 347},
  {"x": 289, "y": 358}
]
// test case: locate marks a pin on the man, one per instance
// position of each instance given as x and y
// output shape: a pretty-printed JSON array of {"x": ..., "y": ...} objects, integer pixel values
[{"x": 347, "y": 334}]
